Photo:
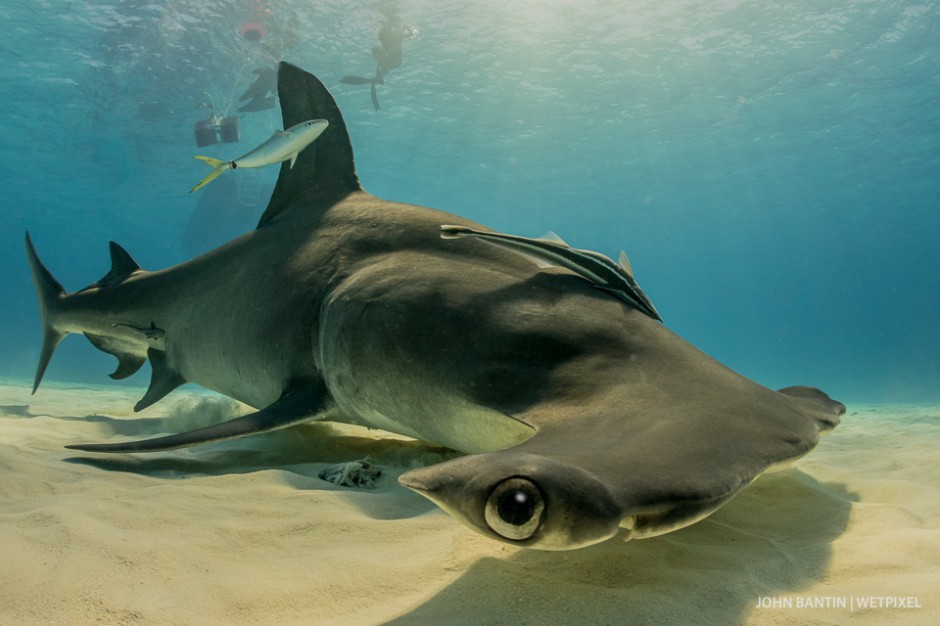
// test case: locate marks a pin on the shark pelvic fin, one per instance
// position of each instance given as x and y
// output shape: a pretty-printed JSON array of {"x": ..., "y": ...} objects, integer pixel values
[
  {"x": 50, "y": 293},
  {"x": 163, "y": 380},
  {"x": 128, "y": 363},
  {"x": 292, "y": 408},
  {"x": 324, "y": 172}
]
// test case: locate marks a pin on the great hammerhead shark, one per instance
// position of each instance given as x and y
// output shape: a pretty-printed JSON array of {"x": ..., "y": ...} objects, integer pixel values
[{"x": 581, "y": 414}]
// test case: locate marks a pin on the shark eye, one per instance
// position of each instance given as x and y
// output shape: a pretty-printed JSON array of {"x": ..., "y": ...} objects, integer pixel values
[{"x": 515, "y": 508}]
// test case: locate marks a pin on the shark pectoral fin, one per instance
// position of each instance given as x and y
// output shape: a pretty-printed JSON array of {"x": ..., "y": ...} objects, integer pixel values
[
  {"x": 128, "y": 362},
  {"x": 163, "y": 380},
  {"x": 293, "y": 159},
  {"x": 291, "y": 409}
]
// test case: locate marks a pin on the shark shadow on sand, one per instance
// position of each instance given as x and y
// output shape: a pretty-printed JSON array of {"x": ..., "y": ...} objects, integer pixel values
[{"x": 713, "y": 572}]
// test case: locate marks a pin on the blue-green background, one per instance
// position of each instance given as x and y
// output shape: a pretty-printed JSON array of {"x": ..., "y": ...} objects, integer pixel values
[{"x": 772, "y": 169}]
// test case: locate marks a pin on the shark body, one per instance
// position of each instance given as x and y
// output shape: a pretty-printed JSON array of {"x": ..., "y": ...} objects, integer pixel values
[{"x": 580, "y": 415}]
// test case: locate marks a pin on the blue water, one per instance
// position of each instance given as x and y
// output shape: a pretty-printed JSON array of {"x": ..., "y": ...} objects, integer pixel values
[{"x": 772, "y": 169}]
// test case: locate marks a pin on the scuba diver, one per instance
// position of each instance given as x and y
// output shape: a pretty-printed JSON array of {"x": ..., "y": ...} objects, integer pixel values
[
  {"x": 258, "y": 92},
  {"x": 263, "y": 37},
  {"x": 388, "y": 56}
]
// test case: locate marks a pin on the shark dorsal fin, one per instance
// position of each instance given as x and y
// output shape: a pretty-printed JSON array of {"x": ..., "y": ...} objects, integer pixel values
[
  {"x": 324, "y": 172},
  {"x": 122, "y": 266}
]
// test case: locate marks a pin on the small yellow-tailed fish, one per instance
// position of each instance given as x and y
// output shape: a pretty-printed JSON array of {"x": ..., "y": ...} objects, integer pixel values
[{"x": 283, "y": 145}]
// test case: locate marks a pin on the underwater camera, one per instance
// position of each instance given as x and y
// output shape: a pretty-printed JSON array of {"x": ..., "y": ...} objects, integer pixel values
[{"x": 215, "y": 130}]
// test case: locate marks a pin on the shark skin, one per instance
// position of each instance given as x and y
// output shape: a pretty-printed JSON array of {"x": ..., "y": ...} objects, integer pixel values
[{"x": 581, "y": 416}]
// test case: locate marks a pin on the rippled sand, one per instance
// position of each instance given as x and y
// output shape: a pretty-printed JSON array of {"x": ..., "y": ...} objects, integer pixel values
[{"x": 244, "y": 532}]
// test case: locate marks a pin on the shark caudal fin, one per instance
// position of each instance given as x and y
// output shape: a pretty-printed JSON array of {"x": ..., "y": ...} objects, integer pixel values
[
  {"x": 51, "y": 297},
  {"x": 50, "y": 294},
  {"x": 218, "y": 166},
  {"x": 324, "y": 172}
]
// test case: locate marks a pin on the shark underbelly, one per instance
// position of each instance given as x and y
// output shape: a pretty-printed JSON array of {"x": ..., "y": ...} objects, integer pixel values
[{"x": 397, "y": 405}]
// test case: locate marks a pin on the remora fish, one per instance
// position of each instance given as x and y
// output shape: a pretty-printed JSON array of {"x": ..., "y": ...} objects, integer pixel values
[
  {"x": 582, "y": 418},
  {"x": 593, "y": 266},
  {"x": 152, "y": 332},
  {"x": 283, "y": 145}
]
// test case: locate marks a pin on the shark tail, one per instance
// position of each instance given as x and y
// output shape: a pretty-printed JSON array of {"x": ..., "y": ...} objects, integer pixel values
[
  {"x": 218, "y": 166},
  {"x": 50, "y": 294}
]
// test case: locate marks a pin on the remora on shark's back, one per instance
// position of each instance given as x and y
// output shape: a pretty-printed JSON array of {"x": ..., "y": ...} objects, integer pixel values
[
  {"x": 581, "y": 416},
  {"x": 593, "y": 266}
]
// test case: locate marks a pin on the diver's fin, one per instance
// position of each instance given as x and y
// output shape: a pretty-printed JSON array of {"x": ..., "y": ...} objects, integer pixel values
[
  {"x": 218, "y": 166},
  {"x": 49, "y": 292},
  {"x": 291, "y": 409},
  {"x": 324, "y": 172},
  {"x": 356, "y": 80},
  {"x": 375, "y": 97},
  {"x": 258, "y": 104},
  {"x": 163, "y": 379},
  {"x": 128, "y": 363}
]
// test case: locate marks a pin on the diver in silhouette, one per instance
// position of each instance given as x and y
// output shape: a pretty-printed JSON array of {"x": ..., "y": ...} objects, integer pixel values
[
  {"x": 388, "y": 56},
  {"x": 265, "y": 35},
  {"x": 261, "y": 93}
]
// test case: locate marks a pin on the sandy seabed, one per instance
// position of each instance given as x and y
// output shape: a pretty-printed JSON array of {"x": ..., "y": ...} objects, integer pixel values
[{"x": 244, "y": 532}]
